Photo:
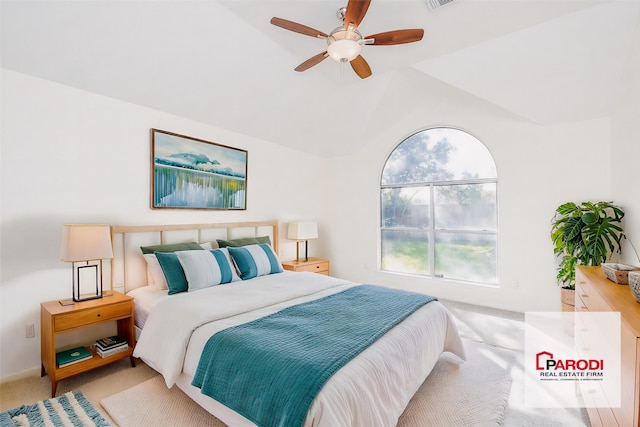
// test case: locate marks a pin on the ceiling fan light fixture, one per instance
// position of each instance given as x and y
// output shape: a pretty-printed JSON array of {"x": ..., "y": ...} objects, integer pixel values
[
  {"x": 344, "y": 50},
  {"x": 344, "y": 45}
]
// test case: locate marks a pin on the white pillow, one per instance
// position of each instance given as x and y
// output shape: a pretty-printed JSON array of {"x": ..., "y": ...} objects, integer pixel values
[{"x": 155, "y": 275}]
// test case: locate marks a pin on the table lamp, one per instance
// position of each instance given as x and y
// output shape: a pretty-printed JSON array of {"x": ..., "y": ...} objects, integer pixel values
[
  {"x": 85, "y": 246},
  {"x": 302, "y": 232}
]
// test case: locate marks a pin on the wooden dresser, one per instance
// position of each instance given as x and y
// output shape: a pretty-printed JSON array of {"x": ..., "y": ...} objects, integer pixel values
[{"x": 594, "y": 292}]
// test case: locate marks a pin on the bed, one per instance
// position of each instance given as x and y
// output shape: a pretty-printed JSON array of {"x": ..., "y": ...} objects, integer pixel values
[{"x": 371, "y": 389}]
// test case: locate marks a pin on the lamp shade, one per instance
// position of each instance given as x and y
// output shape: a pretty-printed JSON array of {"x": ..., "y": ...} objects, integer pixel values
[
  {"x": 84, "y": 242},
  {"x": 302, "y": 230}
]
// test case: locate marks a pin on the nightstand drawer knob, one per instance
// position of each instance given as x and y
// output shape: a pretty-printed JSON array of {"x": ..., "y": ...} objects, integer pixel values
[{"x": 98, "y": 314}]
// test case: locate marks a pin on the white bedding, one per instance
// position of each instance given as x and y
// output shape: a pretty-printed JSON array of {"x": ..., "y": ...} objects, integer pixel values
[
  {"x": 146, "y": 298},
  {"x": 371, "y": 390}
]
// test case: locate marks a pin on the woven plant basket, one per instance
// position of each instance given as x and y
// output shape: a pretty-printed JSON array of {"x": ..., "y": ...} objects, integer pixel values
[{"x": 568, "y": 299}]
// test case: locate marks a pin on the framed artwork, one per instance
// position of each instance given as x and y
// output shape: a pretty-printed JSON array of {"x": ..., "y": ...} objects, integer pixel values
[{"x": 191, "y": 173}]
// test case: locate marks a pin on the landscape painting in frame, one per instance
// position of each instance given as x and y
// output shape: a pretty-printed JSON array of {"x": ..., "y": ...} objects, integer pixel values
[{"x": 196, "y": 174}]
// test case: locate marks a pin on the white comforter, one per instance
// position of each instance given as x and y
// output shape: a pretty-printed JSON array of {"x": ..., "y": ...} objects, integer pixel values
[{"x": 372, "y": 390}]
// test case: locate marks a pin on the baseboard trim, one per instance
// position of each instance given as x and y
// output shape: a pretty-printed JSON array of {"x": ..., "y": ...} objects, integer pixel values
[{"x": 31, "y": 372}]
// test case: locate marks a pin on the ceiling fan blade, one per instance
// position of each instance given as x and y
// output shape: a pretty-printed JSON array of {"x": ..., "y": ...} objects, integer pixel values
[
  {"x": 312, "y": 61},
  {"x": 361, "y": 67},
  {"x": 297, "y": 28},
  {"x": 356, "y": 9},
  {"x": 396, "y": 37}
]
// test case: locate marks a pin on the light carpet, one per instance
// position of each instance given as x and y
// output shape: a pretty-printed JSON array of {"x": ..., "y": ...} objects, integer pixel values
[{"x": 473, "y": 393}]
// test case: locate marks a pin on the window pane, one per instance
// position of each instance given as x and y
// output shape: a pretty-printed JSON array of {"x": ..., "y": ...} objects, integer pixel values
[
  {"x": 470, "y": 206},
  {"x": 436, "y": 155},
  {"x": 466, "y": 256},
  {"x": 405, "y": 251},
  {"x": 405, "y": 207}
]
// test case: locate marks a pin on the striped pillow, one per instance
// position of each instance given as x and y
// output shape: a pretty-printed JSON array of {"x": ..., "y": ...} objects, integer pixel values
[
  {"x": 255, "y": 260},
  {"x": 207, "y": 268}
]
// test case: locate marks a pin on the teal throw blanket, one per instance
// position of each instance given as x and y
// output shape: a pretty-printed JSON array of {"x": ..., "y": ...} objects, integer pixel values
[{"x": 270, "y": 370}]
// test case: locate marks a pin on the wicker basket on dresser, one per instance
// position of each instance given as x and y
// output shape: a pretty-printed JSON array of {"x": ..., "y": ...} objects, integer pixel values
[{"x": 594, "y": 292}]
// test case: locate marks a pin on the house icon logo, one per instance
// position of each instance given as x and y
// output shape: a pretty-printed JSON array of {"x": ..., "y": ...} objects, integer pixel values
[{"x": 542, "y": 359}]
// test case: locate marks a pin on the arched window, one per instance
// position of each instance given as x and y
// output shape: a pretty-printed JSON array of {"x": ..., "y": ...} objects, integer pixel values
[{"x": 438, "y": 204}]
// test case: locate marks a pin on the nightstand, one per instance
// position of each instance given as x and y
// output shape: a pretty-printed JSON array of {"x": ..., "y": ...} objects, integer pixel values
[
  {"x": 314, "y": 265},
  {"x": 56, "y": 319}
]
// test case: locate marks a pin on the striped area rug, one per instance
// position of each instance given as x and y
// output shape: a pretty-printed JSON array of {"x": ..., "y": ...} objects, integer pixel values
[{"x": 72, "y": 409}]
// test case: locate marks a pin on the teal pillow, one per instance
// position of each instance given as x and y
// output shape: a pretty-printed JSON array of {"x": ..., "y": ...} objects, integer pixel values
[
  {"x": 170, "y": 247},
  {"x": 173, "y": 272},
  {"x": 236, "y": 243},
  {"x": 255, "y": 260}
]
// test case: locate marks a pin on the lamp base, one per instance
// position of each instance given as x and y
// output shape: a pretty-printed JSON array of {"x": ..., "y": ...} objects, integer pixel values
[
  {"x": 87, "y": 298},
  {"x": 306, "y": 248},
  {"x": 67, "y": 302},
  {"x": 87, "y": 280}
]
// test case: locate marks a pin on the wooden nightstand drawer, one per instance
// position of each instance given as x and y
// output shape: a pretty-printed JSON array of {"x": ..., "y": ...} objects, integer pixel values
[
  {"x": 315, "y": 268},
  {"x": 93, "y": 315},
  {"x": 313, "y": 265}
]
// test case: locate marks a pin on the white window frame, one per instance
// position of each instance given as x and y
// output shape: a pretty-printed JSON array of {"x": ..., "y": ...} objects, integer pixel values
[{"x": 432, "y": 230}]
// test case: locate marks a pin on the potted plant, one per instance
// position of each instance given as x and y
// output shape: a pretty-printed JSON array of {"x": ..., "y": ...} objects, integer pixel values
[{"x": 584, "y": 234}]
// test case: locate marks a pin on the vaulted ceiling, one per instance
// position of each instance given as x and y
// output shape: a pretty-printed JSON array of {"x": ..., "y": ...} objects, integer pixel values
[{"x": 223, "y": 63}]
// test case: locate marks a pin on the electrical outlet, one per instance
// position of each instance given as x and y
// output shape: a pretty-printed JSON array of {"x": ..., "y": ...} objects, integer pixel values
[{"x": 29, "y": 331}]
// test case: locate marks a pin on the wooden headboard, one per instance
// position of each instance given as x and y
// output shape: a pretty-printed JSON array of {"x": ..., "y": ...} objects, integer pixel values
[{"x": 128, "y": 267}]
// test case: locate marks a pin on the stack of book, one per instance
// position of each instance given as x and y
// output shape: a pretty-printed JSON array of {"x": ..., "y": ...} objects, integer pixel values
[
  {"x": 71, "y": 356},
  {"x": 111, "y": 345}
]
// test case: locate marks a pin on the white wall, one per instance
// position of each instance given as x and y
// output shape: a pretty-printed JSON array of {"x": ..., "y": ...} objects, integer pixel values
[
  {"x": 625, "y": 153},
  {"x": 539, "y": 167},
  {"x": 72, "y": 156}
]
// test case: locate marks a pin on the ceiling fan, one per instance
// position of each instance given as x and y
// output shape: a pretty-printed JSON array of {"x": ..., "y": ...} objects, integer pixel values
[{"x": 345, "y": 42}]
